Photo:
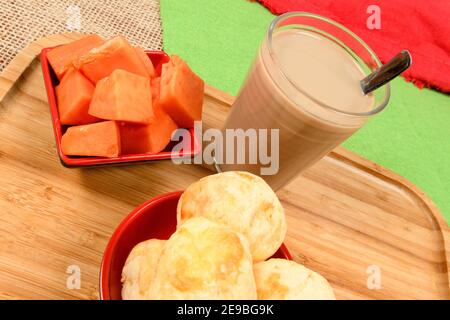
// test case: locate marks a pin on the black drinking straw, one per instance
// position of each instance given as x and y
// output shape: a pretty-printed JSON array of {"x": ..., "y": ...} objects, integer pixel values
[{"x": 386, "y": 72}]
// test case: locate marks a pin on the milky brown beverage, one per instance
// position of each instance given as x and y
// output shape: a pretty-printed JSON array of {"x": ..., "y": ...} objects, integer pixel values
[{"x": 307, "y": 86}]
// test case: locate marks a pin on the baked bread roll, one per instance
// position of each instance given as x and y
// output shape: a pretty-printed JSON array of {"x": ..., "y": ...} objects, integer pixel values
[
  {"x": 242, "y": 201},
  {"x": 279, "y": 279},
  {"x": 204, "y": 260},
  {"x": 140, "y": 268}
]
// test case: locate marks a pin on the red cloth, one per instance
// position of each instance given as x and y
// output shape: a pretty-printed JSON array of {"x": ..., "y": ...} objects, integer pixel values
[{"x": 421, "y": 26}]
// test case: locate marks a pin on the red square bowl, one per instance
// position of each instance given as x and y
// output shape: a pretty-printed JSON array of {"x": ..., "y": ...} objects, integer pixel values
[{"x": 189, "y": 149}]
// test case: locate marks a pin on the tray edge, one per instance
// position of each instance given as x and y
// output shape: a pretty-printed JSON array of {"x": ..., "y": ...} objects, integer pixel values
[{"x": 21, "y": 62}]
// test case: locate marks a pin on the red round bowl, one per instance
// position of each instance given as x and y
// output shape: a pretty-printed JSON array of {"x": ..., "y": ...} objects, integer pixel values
[{"x": 156, "y": 218}]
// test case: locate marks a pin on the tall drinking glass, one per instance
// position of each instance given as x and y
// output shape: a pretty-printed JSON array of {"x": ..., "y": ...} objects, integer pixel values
[{"x": 304, "y": 87}]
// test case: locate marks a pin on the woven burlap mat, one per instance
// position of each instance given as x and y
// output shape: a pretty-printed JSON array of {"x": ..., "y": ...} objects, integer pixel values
[{"x": 23, "y": 21}]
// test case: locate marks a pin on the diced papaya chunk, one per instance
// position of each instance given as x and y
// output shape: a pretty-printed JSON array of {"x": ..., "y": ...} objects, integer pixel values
[
  {"x": 181, "y": 92},
  {"x": 146, "y": 61},
  {"x": 116, "y": 53},
  {"x": 73, "y": 94},
  {"x": 100, "y": 139},
  {"x": 123, "y": 96},
  {"x": 155, "y": 85},
  {"x": 61, "y": 58},
  {"x": 149, "y": 138}
]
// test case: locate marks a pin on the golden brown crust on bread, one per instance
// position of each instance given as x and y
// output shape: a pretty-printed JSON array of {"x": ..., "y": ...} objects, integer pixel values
[
  {"x": 279, "y": 279},
  {"x": 204, "y": 260},
  {"x": 241, "y": 201}
]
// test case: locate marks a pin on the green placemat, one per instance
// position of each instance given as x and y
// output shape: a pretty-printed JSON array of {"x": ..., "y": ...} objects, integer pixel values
[{"x": 411, "y": 136}]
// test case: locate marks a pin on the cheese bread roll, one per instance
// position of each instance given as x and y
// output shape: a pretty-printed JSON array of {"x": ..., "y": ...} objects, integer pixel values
[
  {"x": 242, "y": 201},
  {"x": 279, "y": 279},
  {"x": 140, "y": 268},
  {"x": 204, "y": 260}
]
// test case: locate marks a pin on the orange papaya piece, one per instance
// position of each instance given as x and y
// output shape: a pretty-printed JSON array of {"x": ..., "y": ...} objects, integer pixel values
[
  {"x": 146, "y": 61},
  {"x": 101, "y": 139},
  {"x": 148, "y": 138},
  {"x": 123, "y": 96},
  {"x": 62, "y": 57},
  {"x": 155, "y": 87},
  {"x": 74, "y": 94},
  {"x": 181, "y": 93},
  {"x": 116, "y": 53}
]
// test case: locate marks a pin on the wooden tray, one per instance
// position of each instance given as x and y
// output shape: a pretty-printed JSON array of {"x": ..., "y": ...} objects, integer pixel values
[{"x": 345, "y": 214}]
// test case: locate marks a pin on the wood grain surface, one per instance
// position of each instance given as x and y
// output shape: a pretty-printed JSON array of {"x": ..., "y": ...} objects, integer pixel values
[{"x": 347, "y": 216}]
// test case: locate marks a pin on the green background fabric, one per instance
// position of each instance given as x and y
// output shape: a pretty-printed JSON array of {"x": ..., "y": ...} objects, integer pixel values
[{"x": 411, "y": 136}]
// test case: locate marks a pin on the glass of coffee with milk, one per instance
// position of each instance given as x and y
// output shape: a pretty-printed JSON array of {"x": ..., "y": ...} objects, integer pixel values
[{"x": 306, "y": 87}]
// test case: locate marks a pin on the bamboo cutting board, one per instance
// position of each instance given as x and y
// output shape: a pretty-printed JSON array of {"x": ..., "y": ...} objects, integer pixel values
[{"x": 371, "y": 233}]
